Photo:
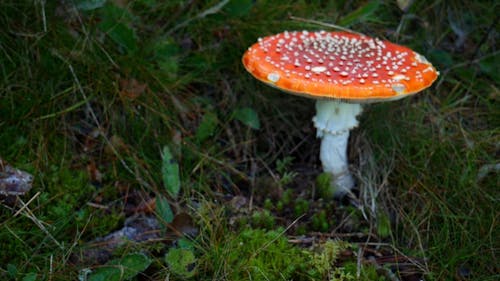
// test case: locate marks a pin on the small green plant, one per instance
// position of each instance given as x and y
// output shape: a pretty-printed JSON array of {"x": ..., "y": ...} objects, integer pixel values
[
  {"x": 263, "y": 219},
  {"x": 367, "y": 272},
  {"x": 301, "y": 206},
  {"x": 323, "y": 185},
  {"x": 172, "y": 184},
  {"x": 247, "y": 116},
  {"x": 383, "y": 224},
  {"x": 170, "y": 173},
  {"x": 268, "y": 204},
  {"x": 283, "y": 166},
  {"x": 320, "y": 221},
  {"x": 181, "y": 262},
  {"x": 286, "y": 197}
]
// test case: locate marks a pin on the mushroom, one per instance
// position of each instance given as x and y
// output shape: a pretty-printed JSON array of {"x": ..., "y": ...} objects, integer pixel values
[{"x": 341, "y": 71}]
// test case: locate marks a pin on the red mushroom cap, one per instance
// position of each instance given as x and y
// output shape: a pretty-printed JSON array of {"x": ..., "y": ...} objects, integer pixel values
[{"x": 338, "y": 65}]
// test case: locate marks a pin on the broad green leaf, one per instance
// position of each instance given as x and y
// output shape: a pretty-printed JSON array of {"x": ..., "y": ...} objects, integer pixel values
[
  {"x": 181, "y": 262},
  {"x": 89, "y": 5},
  {"x": 247, "y": 116},
  {"x": 132, "y": 264},
  {"x": 383, "y": 225},
  {"x": 169, "y": 67},
  {"x": 185, "y": 243},
  {"x": 165, "y": 55},
  {"x": 106, "y": 273},
  {"x": 163, "y": 209},
  {"x": 11, "y": 270},
  {"x": 124, "y": 36},
  {"x": 115, "y": 23},
  {"x": 30, "y": 277},
  {"x": 440, "y": 57},
  {"x": 166, "y": 48},
  {"x": 360, "y": 14},
  {"x": 489, "y": 66},
  {"x": 238, "y": 8},
  {"x": 170, "y": 173},
  {"x": 121, "y": 269},
  {"x": 207, "y": 126}
]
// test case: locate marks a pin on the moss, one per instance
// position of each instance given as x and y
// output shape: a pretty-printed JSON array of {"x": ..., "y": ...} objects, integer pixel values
[
  {"x": 287, "y": 196},
  {"x": 367, "y": 272},
  {"x": 326, "y": 255},
  {"x": 263, "y": 219},
  {"x": 181, "y": 262},
  {"x": 320, "y": 222},
  {"x": 257, "y": 255},
  {"x": 323, "y": 186},
  {"x": 301, "y": 207},
  {"x": 268, "y": 204}
]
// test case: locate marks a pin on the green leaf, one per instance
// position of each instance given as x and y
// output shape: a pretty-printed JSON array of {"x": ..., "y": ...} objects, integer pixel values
[
  {"x": 489, "y": 66},
  {"x": 207, "y": 126},
  {"x": 170, "y": 173},
  {"x": 238, "y": 8},
  {"x": 163, "y": 209},
  {"x": 121, "y": 269},
  {"x": 181, "y": 262},
  {"x": 185, "y": 243},
  {"x": 11, "y": 270},
  {"x": 115, "y": 23},
  {"x": 441, "y": 58},
  {"x": 105, "y": 273},
  {"x": 360, "y": 14},
  {"x": 247, "y": 116},
  {"x": 383, "y": 225},
  {"x": 30, "y": 277},
  {"x": 165, "y": 55},
  {"x": 132, "y": 264},
  {"x": 89, "y": 5}
]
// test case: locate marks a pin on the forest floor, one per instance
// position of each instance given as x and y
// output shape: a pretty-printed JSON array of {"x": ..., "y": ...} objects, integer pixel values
[{"x": 156, "y": 156}]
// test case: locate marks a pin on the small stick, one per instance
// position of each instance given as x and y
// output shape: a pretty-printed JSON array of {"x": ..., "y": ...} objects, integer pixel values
[
  {"x": 325, "y": 24},
  {"x": 44, "y": 18},
  {"x": 27, "y": 203},
  {"x": 27, "y": 212},
  {"x": 212, "y": 10}
]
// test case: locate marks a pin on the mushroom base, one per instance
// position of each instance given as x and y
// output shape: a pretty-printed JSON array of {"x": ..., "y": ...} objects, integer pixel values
[{"x": 333, "y": 121}]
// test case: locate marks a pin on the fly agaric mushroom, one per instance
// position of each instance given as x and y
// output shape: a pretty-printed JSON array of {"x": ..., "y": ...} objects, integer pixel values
[{"x": 341, "y": 71}]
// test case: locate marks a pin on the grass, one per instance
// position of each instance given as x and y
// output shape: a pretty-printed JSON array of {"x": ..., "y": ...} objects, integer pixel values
[{"x": 91, "y": 96}]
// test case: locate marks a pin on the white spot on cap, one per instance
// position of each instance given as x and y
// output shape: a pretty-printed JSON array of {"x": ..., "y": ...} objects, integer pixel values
[
  {"x": 273, "y": 77},
  {"x": 421, "y": 58},
  {"x": 398, "y": 77},
  {"x": 428, "y": 69},
  {"x": 318, "y": 69},
  {"x": 399, "y": 88}
]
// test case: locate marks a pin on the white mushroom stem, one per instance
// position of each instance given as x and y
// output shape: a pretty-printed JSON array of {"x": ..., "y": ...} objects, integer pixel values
[{"x": 333, "y": 121}]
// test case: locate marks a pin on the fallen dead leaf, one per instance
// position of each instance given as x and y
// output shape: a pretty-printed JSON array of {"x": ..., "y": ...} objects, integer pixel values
[{"x": 131, "y": 88}]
